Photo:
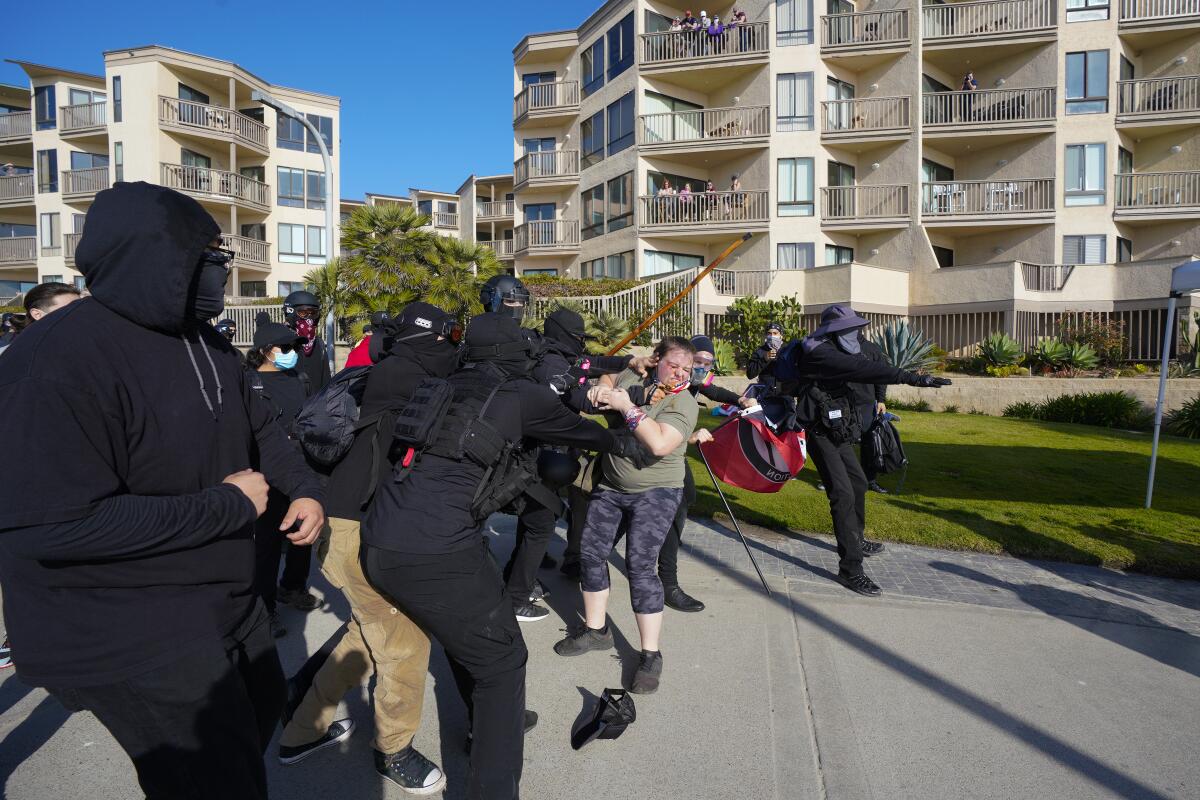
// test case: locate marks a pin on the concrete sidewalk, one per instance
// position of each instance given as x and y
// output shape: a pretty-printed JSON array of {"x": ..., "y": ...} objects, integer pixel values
[{"x": 974, "y": 676}]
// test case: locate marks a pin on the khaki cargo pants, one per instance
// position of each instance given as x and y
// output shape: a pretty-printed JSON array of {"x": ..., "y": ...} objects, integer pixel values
[{"x": 379, "y": 638}]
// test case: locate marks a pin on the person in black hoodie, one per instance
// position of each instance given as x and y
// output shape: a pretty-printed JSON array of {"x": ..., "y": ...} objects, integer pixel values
[
  {"x": 303, "y": 313},
  {"x": 126, "y": 552},
  {"x": 870, "y": 400}
]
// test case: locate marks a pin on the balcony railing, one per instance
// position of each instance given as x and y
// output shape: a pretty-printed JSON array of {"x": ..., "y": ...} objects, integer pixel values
[
  {"x": 988, "y": 18},
  {"x": 82, "y": 117},
  {"x": 864, "y": 114},
  {"x": 15, "y": 125},
  {"x": 488, "y": 209},
  {"x": 1045, "y": 277},
  {"x": 70, "y": 242},
  {"x": 16, "y": 189},
  {"x": 664, "y": 47},
  {"x": 967, "y": 198},
  {"x": 714, "y": 125},
  {"x": 988, "y": 106},
  {"x": 1154, "y": 96},
  {"x": 699, "y": 209},
  {"x": 546, "y": 164},
  {"x": 445, "y": 219},
  {"x": 224, "y": 122},
  {"x": 18, "y": 249},
  {"x": 247, "y": 250},
  {"x": 864, "y": 29},
  {"x": 742, "y": 282},
  {"x": 84, "y": 182},
  {"x": 218, "y": 184},
  {"x": 551, "y": 96},
  {"x": 1158, "y": 191},
  {"x": 1137, "y": 10},
  {"x": 546, "y": 235},
  {"x": 850, "y": 203},
  {"x": 502, "y": 247}
]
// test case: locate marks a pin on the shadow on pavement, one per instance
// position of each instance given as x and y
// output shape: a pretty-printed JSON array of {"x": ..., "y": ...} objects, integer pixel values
[{"x": 31, "y": 733}]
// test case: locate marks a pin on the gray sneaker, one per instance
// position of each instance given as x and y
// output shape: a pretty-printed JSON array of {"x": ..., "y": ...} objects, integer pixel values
[
  {"x": 576, "y": 644},
  {"x": 645, "y": 680}
]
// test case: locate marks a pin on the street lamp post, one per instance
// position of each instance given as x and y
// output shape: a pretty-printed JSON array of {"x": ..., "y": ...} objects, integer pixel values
[{"x": 288, "y": 111}]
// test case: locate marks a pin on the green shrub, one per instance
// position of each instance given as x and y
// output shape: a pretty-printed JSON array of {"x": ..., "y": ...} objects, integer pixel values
[
  {"x": 1081, "y": 356},
  {"x": 725, "y": 363},
  {"x": 999, "y": 350},
  {"x": 745, "y": 324},
  {"x": 1048, "y": 355},
  {"x": 1106, "y": 338},
  {"x": 1104, "y": 409},
  {"x": 1021, "y": 410},
  {"x": 12, "y": 309},
  {"x": 905, "y": 347},
  {"x": 950, "y": 410},
  {"x": 1005, "y": 371},
  {"x": 606, "y": 330},
  {"x": 1185, "y": 420},
  {"x": 558, "y": 286},
  {"x": 904, "y": 405}
]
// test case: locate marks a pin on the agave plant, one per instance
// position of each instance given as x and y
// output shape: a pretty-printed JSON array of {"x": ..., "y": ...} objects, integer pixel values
[
  {"x": 1081, "y": 357},
  {"x": 724, "y": 360},
  {"x": 1049, "y": 354},
  {"x": 905, "y": 347},
  {"x": 606, "y": 330},
  {"x": 999, "y": 350}
]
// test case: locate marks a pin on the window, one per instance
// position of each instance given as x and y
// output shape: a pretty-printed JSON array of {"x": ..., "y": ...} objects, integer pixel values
[
  {"x": 543, "y": 271},
  {"x": 190, "y": 158},
  {"x": 51, "y": 233},
  {"x": 944, "y": 256},
  {"x": 9, "y": 230},
  {"x": 1085, "y": 10},
  {"x": 316, "y": 244},
  {"x": 539, "y": 212},
  {"x": 47, "y": 171},
  {"x": 836, "y": 254},
  {"x": 793, "y": 22},
  {"x": 290, "y": 187},
  {"x": 620, "y": 47},
  {"x": 116, "y": 94},
  {"x": 1087, "y": 82},
  {"x": 620, "y": 202},
  {"x": 291, "y": 243},
  {"x": 619, "y": 265},
  {"x": 119, "y": 161},
  {"x": 620, "y": 124},
  {"x": 447, "y": 207},
  {"x": 255, "y": 230},
  {"x": 80, "y": 283},
  {"x": 593, "y": 212},
  {"x": 591, "y": 135},
  {"x": 1084, "y": 249},
  {"x": 531, "y": 78},
  {"x": 192, "y": 95},
  {"x": 45, "y": 107},
  {"x": 794, "y": 101},
  {"x": 1124, "y": 250},
  {"x": 592, "y": 269},
  {"x": 287, "y": 287},
  {"x": 795, "y": 255},
  {"x": 658, "y": 263},
  {"x": 1085, "y": 175},
  {"x": 324, "y": 126},
  {"x": 80, "y": 160},
  {"x": 255, "y": 113},
  {"x": 289, "y": 133},
  {"x": 77, "y": 221},
  {"x": 664, "y": 120},
  {"x": 656, "y": 180},
  {"x": 316, "y": 190},
  {"x": 51, "y": 279},
  {"x": 254, "y": 173},
  {"x": 592, "y": 67},
  {"x": 253, "y": 289},
  {"x": 795, "y": 187},
  {"x": 83, "y": 97}
]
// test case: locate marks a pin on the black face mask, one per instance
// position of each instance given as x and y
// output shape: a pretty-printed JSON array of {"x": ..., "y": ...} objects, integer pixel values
[{"x": 210, "y": 284}]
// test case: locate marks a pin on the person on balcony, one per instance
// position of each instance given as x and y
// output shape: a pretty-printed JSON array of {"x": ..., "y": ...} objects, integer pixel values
[
  {"x": 665, "y": 202},
  {"x": 737, "y": 199},
  {"x": 716, "y": 36},
  {"x": 709, "y": 201},
  {"x": 685, "y": 203},
  {"x": 969, "y": 84}
]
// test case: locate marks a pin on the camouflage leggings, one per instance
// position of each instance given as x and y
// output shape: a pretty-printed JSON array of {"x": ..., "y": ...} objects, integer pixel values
[{"x": 649, "y": 515}]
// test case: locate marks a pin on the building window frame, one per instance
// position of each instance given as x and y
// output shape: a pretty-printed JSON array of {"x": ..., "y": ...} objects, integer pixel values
[
  {"x": 591, "y": 68},
  {"x": 652, "y": 260},
  {"x": 591, "y": 139},
  {"x": 619, "y": 265},
  {"x": 1083, "y": 186},
  {"x": 796, "y": 196},
  {"x": 118, "y": 109},
  {"x": 1085, "y": 249},
  {"x": 314, "y": 189},
  {"x": 291, "y": 249},
  {"x": 620, "y": 46},
  {"x": 793, "y": 22},
  {"x": 1081, "y": 92},
  {"x": 47, "y": 171},
  {"x": 592, "y": 209},
  {"x": 836, "y": 254},
  {"x": 118, "y": 161},
  {"x": 45, "y": 107},
  {"x": 620, "y": 136},
  {"x": 289, "y": 132},
  {"x": 324, "y": 126},
  {"x": 1087, "y": 10},
  {"x": 1124, "y": 250},
  {"x": 50, "y": 233},
  {"x": 620, "y": 202},
  {"x": 289, "y": 187},
  {"x": 315, "y": 247},
  {"x": 795, "y": 255},
  {"x": 794, "y": 101}
]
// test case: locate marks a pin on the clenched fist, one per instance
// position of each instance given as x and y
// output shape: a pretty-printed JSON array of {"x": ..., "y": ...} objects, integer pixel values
[{"x": 253, "y": 485}]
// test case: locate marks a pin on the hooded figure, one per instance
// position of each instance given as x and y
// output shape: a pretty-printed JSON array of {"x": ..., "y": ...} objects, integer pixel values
[
  {"x": 125, "y": 547},
  {"x": 567, "y": 330}
]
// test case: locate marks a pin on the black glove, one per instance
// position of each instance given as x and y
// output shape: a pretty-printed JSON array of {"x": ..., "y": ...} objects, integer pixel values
[
  {"x": 929, "y": 382},
  {"x": 626, "y": 445}
]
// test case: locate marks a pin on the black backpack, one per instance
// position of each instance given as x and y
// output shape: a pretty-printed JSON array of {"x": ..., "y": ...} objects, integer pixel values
[
  {"x": 881, "y": 447},
  {"x": 327, "y": 424}
]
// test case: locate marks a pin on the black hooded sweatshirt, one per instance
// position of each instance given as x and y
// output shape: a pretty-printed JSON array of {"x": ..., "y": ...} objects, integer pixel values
[{"x": 120, "y": 547}]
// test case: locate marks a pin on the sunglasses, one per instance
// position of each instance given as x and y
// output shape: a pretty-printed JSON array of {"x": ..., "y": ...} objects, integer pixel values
[{"x": 306, "y": 312}]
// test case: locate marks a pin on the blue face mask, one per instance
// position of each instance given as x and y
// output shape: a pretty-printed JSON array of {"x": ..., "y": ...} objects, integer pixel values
[
  {"x": 699, "y": 374},
  {"x": 286, "y": 360}
]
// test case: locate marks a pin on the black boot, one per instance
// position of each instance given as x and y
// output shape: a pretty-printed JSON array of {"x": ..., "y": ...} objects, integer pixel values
[{"x": 859, "y": 583}]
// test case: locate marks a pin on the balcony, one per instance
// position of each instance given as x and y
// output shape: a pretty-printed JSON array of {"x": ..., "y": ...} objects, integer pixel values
[
  {"x": 865, "y": 38},
  {"x": 703, "y": 214},
  {"x": 1161, "y": 103},
  {"x": 212, "y": 122},
  {"x": 16, "y": 190},
  {"x": 216, "y": 185},
  {"x": 248, "y": 252},
  {"x": 549, "y": 168},
  {"x": 83, "y": 119},
  {"x": 1145, "y": 23},
  {"x": 988, "y": 23},
  {"x": 990, "y": 112},
  {"x": 546, "y": 101},
  {"x": 864, "y": 208},
  {"x": 548, "y": 237},
  {"x": 15, "y": 127},
  {"x": 502, "y": 247},
  {"x": 82, "y": 184},
  {"x": 1045, "y": 277},
  {"x": 494, "y": 209},
  {"x": 665, "y": 51},
  {"x": 18, "y": 250},
  {"x": 1150, "y": 197},
  {"x": 871, "y": 119},
  {"x": 445, "y": 219},
  {"x": 706, "y": 129},
  {"x": 988, "y": 203},
  {"x": 70, "y": 243}
]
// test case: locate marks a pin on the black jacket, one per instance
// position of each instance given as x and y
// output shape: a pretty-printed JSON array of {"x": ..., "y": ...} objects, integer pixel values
[
  {"x": 866, "y": 395},
  {"x": 315, "y": 366},
  {"x": 835, "y": 372},
  {"x": 717, "y": 394},
  {"x": 761, "y": 367},
  {"x": 120, "y": 547}
]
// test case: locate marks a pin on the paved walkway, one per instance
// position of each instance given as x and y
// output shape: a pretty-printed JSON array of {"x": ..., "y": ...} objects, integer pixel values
[{"x": 974, "y": 676}]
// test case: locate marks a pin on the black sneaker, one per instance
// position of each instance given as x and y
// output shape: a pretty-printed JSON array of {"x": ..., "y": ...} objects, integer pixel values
[
  {"x": 645, "y": 680},
  {"x": 6, "y": 655},
  {"x": 859, "y": 583},
  {"x": 870, "y": 548},
  {"x": 277, "y": 629},
  {"x": 299, "y": 599},
  {"x": 680, "y": 600},
  {"x": 586, "y": 640},
  {"x": 411, "y": 771},
  {"x": 338, "y": 732},
  {"x": 875, "y": 487},
  {"x": 531, "y": 721},
  {"x": 539, "y": 592},
  {"x": 528, "y": 612},
  {"x": 571, "y": 569}
]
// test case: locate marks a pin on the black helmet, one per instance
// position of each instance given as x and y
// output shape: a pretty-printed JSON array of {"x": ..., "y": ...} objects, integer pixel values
[
  {"x": 297, "y": 299},
  {"x": 505, "y": 294},
  {"x": 227, "y": 328}
]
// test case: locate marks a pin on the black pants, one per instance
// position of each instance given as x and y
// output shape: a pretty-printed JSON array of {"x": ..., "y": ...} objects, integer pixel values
[
  {"x": 668, "y": 557},
  {"x": 460, "y": 599},
  {"x": 847, "y": 489},
  {"x": 866, "y": 415},
  {"x": 197, "y": 727},
  {"x": 578, "y": 500},
  {"x": 268, "y": 544},
  {"x": 535, "y": 526}
]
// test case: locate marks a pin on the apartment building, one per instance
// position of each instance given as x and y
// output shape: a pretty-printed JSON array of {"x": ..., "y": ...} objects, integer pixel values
[
  {"x": 173, "y": 118},
  {"x": 487, "y": 214},
  {"x": 978, "y": 165}
]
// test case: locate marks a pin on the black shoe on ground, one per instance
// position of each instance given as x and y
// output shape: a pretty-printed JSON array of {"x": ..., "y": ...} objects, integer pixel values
[
  {"x": 571, "y": 569},
  {"x": 277, "y": 629},
  {"x": 411, "y": 771},
  {"x": 337, "y": 732},
  {"x": 645, "y": 680},
  {"x": 528, "y": 612},
  {"x": 531, "y": 721},
  {"x": 870, "y": 548},
  {"x": 539, "y": 591},
  {"x": 586, "y": 640},
  {"x": 875, "y": 487},
  {"x": 299, "y": 599},
  {"x": 680, "y": 600},
  {"x": 859, "y": 583},
  {"x": 548, "y": 562}
]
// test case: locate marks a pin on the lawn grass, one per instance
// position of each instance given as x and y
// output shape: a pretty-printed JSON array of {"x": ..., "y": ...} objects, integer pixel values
[{"x": 1029, "y": 489}]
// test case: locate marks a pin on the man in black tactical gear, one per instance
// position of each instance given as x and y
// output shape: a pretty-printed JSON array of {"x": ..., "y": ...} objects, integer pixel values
[
  {"x": 302, "y": 311},
  {"x": 422, "y": 536},
  {"x": 829, "y": 362},
  {"x": 870, "y": 400},
  {"x": 505, "y": 294}
]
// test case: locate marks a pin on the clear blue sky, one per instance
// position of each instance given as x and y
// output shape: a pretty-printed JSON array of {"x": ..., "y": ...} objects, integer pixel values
[{"x": 426, "y": 88}]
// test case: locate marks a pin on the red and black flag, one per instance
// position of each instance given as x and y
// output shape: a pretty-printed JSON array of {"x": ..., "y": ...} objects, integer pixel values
[{"x": 749, "y": 453}]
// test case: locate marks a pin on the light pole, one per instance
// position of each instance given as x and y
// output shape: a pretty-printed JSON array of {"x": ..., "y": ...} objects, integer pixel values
[{"x": 288, "y": 111}]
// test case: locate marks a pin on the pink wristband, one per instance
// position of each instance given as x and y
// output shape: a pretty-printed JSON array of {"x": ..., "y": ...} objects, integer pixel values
[{"x": 634, "y": 417}]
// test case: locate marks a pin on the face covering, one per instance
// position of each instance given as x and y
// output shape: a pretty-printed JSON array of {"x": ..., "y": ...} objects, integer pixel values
[
  {"x": 210, "y": 291},
  {"x": 848, "y": 342},
  {"x": 286, "y": 360},
  {"x": 306, "y": 329},
  {"x": 774, "y": 342},
  {"x": 699, "y": 374}
]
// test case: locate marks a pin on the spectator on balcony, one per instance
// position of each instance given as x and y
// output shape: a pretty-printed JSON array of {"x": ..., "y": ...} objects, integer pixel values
[
  {"x": 665, "y": 203},
  {"x": 716, "y": 36},
  {"x": 708, "y": 203},
  {"x": 737, "y": 198},
  {"x": 685, "y": 203},
  {"x": 7, "y": 171},
  {"x": 690, "y": 23},
  {"x": 969, "y": 84},
  {"x": 739, "y": 20}
]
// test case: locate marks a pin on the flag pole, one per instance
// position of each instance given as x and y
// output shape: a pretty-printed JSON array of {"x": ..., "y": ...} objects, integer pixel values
[{"x": 736, "y": 526}]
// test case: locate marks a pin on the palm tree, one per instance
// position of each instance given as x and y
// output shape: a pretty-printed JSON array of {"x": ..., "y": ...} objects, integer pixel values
[
  {"x": 330, "y": 283},
  {"x": 387, "y": 249},
  {"x": 455, "y": 271}
]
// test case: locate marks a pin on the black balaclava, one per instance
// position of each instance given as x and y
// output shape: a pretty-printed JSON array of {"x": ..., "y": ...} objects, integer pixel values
[
  {"x": 498, "y": 339},
  {"x": 210, "y": 290},
  {"x": 414, "y": 333},
  {"x": 566, "y": 329}
]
